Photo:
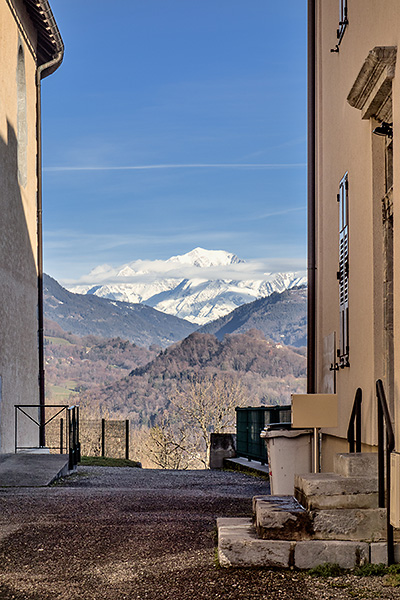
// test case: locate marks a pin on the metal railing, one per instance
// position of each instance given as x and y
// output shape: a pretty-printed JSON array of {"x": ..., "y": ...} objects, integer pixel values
[
  {"x": 70, "y": 427},
  {"x": 355, "y": 421},
  {"x": 250, "y": 421},
  {"x": 74, "y": 446},
  {"x": 385, "y": 447}
]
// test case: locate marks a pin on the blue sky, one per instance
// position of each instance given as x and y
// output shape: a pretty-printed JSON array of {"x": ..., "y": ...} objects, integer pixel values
[{"x": 173, "y": 124}]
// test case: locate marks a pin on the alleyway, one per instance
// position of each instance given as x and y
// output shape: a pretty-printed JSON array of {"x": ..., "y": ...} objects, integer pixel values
[{"x": 113, "y": 534}]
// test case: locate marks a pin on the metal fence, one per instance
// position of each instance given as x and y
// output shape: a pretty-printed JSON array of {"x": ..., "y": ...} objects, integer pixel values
[
  {"x": 250, "y": 421},
  {"x": 105, "y": 437}
]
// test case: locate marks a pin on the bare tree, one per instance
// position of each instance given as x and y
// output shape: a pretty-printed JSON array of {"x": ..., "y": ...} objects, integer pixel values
[
  {"x": 207, "y": 405},
  {"x": 166, "y": 447}
]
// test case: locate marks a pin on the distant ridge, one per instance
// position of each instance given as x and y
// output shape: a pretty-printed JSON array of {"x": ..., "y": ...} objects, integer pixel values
[
  {"x": 281, "y": 317},
  {"x": 91, "y": 315}
]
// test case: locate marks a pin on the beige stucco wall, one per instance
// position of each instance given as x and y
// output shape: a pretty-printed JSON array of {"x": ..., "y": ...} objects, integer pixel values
[
  {"x": 18, "y": 234},
  {"x": 345, "y": 144}
]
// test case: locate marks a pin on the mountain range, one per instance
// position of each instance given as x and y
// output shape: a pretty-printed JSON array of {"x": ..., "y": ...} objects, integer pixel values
[
  {"x": 199, "y": 286},
  {"x": 281, "y": 317},
  {"x": 89, "y": 315}
]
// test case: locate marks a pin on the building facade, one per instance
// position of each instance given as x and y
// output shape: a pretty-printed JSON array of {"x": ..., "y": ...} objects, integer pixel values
[
  {"x": 354, "y": 166},
  {"x": 30, "y": 49}
]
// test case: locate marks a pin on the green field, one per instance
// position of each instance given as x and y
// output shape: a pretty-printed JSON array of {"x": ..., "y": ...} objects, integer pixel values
[
  {"x": 56, "y": 340},
  {"x": 62, "y": 392}
]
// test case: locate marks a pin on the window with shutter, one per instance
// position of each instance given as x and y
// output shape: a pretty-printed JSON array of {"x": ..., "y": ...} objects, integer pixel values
[{"x": 343, "y": 273}]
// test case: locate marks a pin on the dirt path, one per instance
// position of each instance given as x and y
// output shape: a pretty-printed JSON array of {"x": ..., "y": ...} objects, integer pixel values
[{"x": 111, "y": 534}]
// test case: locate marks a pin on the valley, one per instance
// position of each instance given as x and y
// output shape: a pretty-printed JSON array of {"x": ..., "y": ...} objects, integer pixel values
[{"x": 173, "y": 380}]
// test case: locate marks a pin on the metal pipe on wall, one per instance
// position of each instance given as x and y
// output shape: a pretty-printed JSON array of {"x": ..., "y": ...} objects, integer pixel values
[
  {"x": 311, "y": 208},
  {"x": 42, "y": 71}
]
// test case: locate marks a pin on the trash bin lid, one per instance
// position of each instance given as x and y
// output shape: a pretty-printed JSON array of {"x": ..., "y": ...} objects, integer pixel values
[
  {"x": 274, "y": 426},
  {"x": 268, "y": 433}
]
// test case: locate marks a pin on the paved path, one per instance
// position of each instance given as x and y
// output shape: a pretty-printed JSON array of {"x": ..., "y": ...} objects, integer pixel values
[
  {"x": 121, "y": 533},
  {"x": 31, "y": 469}
]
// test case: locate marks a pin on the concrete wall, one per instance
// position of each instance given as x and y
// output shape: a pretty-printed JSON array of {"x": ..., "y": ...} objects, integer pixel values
[
  {"x": 345, "y": 143},
  {"x": 18, "y": 233}
]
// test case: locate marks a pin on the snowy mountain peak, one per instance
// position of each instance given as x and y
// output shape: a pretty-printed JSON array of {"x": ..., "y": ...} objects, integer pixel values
[
  {"x": 199, "y": 257},
  {"x": 199, "y": 286}
]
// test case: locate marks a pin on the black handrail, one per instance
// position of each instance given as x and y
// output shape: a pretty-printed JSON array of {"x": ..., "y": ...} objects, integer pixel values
[
  {"x": 72, "y": 429},
  {"x": 355, "y": 419},
  {"x": 385, "y": 422}
]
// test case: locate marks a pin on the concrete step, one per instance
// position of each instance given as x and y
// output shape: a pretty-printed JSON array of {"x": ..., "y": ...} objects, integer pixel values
[
  {"x": 353, "y": 524},
  {"x": 330, "y": 490},
  {"x": 281, "y": 517},
  {"x": 238, "y": 546},
  {"x": 356, "y": 464}
]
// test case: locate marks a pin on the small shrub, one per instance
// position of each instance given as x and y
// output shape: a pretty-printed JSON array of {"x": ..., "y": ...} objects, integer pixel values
[{"x": 369, "y": 570}]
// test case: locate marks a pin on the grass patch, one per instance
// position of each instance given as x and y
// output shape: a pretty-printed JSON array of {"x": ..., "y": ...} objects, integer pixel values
[
  {"x": 391, "y": 574},
  {"x": 326, "y": 570},
  {"x": 105, "y": 461},
  {"x": 64, "y": 391},
  {"x": 246, "y": 470},
  {"x": 217, "y": 564},
  {"x": 393, "y": 577}
]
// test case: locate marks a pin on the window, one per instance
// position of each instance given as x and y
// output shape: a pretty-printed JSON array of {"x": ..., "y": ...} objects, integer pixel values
[
  {"x": 343, "y": 22},
  {"x": 343, "y": 273}
]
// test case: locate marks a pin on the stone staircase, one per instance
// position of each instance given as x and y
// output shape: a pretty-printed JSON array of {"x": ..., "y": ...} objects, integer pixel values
[{"x": 332, "y": 518}]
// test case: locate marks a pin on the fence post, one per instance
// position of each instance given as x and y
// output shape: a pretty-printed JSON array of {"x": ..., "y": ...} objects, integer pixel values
[
  {"x": 78, "y": 442},
  {"x": 74, "y": 436},
  {"x": 61, "y": 435},
  {"x": 70, "y": 443},
  {"x": 16, "y": 430},
  {"x": 103, "y": 437},
  {"x": 127, "y": 439}
]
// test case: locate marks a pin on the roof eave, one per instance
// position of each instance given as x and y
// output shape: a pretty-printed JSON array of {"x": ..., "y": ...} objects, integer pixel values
[{"x": 50, "y": 46}]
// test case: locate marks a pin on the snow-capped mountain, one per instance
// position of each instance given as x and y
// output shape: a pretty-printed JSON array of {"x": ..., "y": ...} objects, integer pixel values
[{"x": 200, "y": 286}]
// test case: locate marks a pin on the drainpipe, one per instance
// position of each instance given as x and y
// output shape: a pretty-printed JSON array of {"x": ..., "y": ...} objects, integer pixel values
[
  {"x": 311, "y": 219},
  {"x": 41, "y": 72}
]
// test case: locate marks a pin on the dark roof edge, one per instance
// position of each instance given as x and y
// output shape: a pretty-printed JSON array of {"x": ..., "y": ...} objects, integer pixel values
[{"x": 50, "y": 46}]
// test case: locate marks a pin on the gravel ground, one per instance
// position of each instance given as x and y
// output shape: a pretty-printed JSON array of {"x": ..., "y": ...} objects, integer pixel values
[{"x": 116, "y": 533}]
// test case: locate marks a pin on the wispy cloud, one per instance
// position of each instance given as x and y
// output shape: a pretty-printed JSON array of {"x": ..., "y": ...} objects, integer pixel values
[
  {"x": 150, "y": 271},
  {"x": 276, "y": 213},
  {"x": 177, "y": 166}
]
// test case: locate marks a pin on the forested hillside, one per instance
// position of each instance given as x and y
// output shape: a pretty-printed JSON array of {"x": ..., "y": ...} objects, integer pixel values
[
  {"x": 282, "y": 317},
  {"x": 268, "y": 372},
  {"x": 76, "y": 364}
]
